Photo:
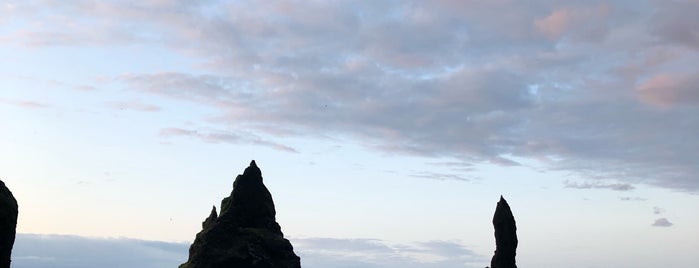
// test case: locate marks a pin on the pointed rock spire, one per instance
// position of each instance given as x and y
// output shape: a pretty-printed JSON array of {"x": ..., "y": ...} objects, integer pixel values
[
  {"x": 505, "y": 236},
  {"x": 245, "y": 233},
  {"x": 253, "y": 171},
  {"x": 210, "y": 220},
  {"x": 8, "y": 224}
]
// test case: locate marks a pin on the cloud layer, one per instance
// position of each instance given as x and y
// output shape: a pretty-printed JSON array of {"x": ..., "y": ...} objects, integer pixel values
[
  {"x": 57, "y": 251},
  {"x": 36, "y": 251},
  {"x": 604, "y": 90}
]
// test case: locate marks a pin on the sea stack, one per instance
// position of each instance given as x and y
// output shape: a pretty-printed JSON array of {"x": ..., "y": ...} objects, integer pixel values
[
  {"x": 505, "y": 237},
  {"x": 245, "y": 234},
  {"x": 8, "y": 224}
]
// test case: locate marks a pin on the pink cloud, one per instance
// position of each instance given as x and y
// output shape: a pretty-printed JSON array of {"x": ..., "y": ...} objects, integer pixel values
[
  {"x": 26, "y": 104},
  {"x": 554, "y": 25},
  {"x": 31, "y": 104},
  {"x": 587, "y": 23},
  {"x": 665, "y": 90}
]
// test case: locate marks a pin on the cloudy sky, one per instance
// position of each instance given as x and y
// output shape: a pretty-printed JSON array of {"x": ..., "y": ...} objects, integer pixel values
[{"x": 385, "y": 130}]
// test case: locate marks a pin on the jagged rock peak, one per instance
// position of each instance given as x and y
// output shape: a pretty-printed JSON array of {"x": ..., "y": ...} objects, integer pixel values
[
  {"x": 213, "y": 213},
  {"x": 505, "y": 236},
  {"x": 210, "y": 220},
  {"x": 253, "y": 170},
  {"x": 8, "y": 224},
  {"x": 245, "y": 233}
]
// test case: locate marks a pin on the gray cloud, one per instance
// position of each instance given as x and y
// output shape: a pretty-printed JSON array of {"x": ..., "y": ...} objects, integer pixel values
[
  {"x": 449, "y": 249},
  {"x": 345, "y": 245},
  {"x": 333, "y": 252},
  {"x": 657, "y": 210},
  {"x": 628, "y": 198},
  {"x": 673, "y": 23},
  {"x": 662, "y": 222},
  {"x": 593, "y": 88},
  {"x": 37, "y": 251}
]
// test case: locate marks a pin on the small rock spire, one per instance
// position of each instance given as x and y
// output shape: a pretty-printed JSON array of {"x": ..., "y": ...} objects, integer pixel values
[
  {"x": 505, "y": 236},
  {"x": 210, "y": 220}
]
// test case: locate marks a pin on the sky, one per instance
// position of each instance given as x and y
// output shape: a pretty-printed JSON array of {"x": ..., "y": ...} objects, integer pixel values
[{"x": 386, "y": 131}]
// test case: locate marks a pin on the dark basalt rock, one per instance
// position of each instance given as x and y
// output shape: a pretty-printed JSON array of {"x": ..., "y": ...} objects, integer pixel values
[
  {"x": 210, "y": 220},
  {"x": 505, "y": 237},
  {"x": 246, "y": 233},
  {"x": 8, "y": 224}
]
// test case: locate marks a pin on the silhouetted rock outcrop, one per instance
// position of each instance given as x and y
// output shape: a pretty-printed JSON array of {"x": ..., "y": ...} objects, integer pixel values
[
  {"x": 505, "y": 237},
  {"x": 246, "y": 233},
  {"x": 210, "y": 220},
  {"x": 8, "y": 224}
]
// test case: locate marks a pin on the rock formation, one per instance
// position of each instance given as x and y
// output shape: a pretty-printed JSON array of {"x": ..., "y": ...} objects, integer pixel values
[
  {"x": 246, "y": 233},
  {"x": 8, "y": 224},
  {"x": 505, "y": 237}
]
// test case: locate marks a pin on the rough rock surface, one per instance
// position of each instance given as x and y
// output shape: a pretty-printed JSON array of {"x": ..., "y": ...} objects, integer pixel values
[
  {"x": 246, "y": 233},
  {"x": 505, "y": 237},
  {"x": 8, "y": 224}
]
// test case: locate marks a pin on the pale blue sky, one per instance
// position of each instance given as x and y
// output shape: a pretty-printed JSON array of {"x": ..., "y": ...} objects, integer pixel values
[{"x": 386, "y": 131}]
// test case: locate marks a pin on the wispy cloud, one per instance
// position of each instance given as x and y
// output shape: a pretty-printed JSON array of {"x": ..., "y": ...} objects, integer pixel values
[
  {"x": 599, "y": 185},
  {"x": 26, "y": 104},
  {"x": 629, "y": 198},
  {"x": 439, "y": 176},
  {"x": 134, "y": 105},
  {"x": 224, "y": 137}
]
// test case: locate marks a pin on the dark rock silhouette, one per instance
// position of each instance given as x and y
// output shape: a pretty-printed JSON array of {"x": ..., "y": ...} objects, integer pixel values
[
  {"x": 246, "y": 233},
  {"x": 210, "y": 220},
  {"x": 8, "y": 224},
  {"x": 505, "y": 237}
]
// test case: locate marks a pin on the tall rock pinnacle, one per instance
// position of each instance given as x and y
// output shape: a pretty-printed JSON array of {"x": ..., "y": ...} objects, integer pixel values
[
  {"x": 245, "y": 234},
  {"x": 505, "y": 237},
  {"x": 8, "y": 224}
]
